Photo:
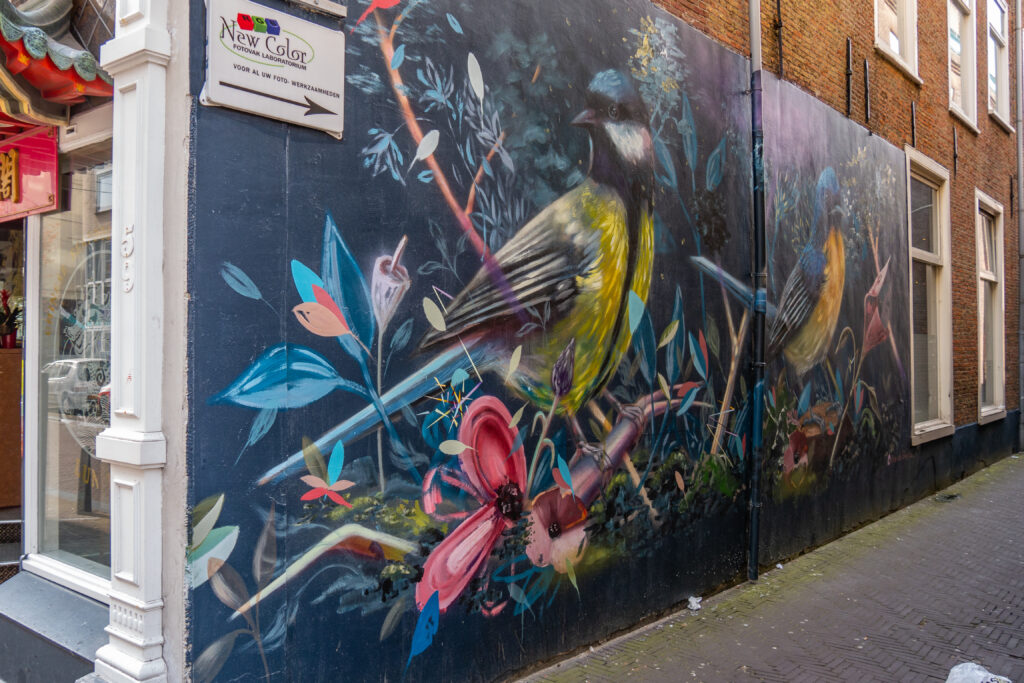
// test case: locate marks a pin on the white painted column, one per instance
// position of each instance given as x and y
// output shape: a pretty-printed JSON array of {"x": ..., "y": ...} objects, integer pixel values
[{"x": 134, "y": 444}]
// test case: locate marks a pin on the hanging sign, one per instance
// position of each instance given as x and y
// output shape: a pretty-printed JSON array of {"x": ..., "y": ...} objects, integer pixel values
[
  {"x": 28, "y": 173},
  {"x": 272, "y": 64}
]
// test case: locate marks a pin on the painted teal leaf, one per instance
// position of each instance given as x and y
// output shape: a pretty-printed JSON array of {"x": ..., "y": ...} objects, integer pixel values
[
  {"x": 454, "y": 23},
  {"x": 345, "y": 283},
  {"x": 284, "y": 376},
  {"x": 688, "y": 400},
  {"x": 425, "y": 176},
  {"x": 635, "y": 310},
  {"x": 665, "y": 160},
  {"x": 398, "y": 57},
  {"x": 839, "y": 387},
  {"x": 304, "y": 279},
  {"x": 805, "y": 400},
  {"x": 647, "y": 346},
  {"x": 563, "y": 469},
  {"x": 336, "y": 463},
  {"x": 675, "y": 352},
  {"x": 713, "y": 170},
  {"x": 688, "y": 131},
  {"x": 700, "y": 362},
  {"x": 426, "y": 627},
  {"x": 261, "y": 424},
  {"x": 237, "y": 280},
  {"x": 459, "y": 377}
]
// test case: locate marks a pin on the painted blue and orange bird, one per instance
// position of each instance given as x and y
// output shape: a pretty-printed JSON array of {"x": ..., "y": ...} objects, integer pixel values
[
  {"x": 808, "y": 309},
  {"x": 581, "y": 256}
]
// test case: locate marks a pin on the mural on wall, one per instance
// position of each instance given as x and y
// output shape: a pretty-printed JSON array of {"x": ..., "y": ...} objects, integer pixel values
[
  {"x": 502, "y": 382},
  {"x": 837, "y": 254}
]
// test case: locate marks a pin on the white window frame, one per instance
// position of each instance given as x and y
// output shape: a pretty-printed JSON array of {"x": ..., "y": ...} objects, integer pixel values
[
  {"x": 987, "y": 205},
  {"x": 924, "y": 168},
  {"x": 968, "y": 113},
  {"x": 1001, "y": 37},
  {"x": 906, "y": 59},
  {"x": 88, "y": 128}
]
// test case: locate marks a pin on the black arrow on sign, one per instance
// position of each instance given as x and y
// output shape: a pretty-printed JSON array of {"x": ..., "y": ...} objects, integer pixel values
[{"x": 311, "y": 106}]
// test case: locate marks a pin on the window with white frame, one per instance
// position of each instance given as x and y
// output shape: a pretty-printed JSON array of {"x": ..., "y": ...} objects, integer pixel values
[
  {"x": 991, "y": 376},
  {"x": 962, "y": 51},
  {"x": 896, "y": 33},
  {"x": 998, "y": 62},
  {"x": 930, "y": 298}
]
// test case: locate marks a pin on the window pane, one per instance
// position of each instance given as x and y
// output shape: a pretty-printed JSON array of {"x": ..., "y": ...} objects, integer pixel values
[
  {"x": 993, "y": 73},
  {"x": 987, "y": 256},
  {"x": 955, "y": 54},
  {"x": 922, "y": 215},
  {"x": 996, "y": 17},
  {"x": 926, "y": 363},
  {"x": 988, "y": 326},
  {"x": 889, "y": 25},
  {"x": 74, "y": 357}
]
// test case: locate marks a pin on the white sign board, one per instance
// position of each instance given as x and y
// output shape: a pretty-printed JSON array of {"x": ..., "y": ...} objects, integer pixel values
[{"x": 272, "y": 64}]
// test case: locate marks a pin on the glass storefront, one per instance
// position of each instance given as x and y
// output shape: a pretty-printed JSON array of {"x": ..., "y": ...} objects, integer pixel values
[{"x": 74, "y": 364}]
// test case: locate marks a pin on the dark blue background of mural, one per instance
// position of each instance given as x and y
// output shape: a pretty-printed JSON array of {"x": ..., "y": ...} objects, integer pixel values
[{"x": 260, "y": 191}]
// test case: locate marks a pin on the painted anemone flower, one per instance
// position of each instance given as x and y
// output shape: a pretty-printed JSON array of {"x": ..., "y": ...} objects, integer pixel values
[
  {"x": 557, "y": 536},
  {"x": 876, "y": 330},
  {"x": 389, "y": 284},
  {"x": 493, "y": 470}
]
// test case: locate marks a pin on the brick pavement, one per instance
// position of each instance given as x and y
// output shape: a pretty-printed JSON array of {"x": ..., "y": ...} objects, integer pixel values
[{"x": 904, "y": 599}]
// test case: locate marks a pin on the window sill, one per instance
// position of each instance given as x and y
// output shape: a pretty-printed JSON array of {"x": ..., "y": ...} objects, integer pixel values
[
  {"x": 1003, "y": 123},
  {"x": 958, "y": 113},
  {"x": 991, "y": 414},
  {"x": 900, "y": 63},
  {"x": 70, "y": 577},
  {"x": 929, "y": 431}
]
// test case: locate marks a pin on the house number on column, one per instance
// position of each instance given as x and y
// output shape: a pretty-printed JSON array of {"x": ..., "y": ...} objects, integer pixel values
[{"x": 128, "y": 265}]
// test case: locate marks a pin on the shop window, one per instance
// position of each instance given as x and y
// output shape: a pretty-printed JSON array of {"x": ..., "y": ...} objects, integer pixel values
[
  {"x": 72, "y": 356},
  {"x": 896, "y": 33},
  {"x": 930, "y": 298},
  {"x": 998, "y": 63},
  {"x": 962, "y": 97},
  {"x": 991, "y": 374}
]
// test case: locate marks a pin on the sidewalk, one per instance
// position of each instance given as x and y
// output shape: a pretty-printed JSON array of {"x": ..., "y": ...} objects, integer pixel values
[{"x": 904, "y": 599}]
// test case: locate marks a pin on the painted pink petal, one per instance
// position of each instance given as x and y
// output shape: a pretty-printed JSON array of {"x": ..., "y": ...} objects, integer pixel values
[
  {"x": 325, "y": 300},
  {"x": 875, "y": 329},
  {"x": 433, "y": 494},
  {"x": 314, "y": 493},
  {"x": 458, "y": 558},
  {"x": 489, "y": 462},
  {"x": 557, "y": 532}
]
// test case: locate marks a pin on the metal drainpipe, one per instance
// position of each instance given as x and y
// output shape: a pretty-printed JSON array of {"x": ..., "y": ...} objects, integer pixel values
[
  {"x": 760, "y": 281},
  {"x": 1018, "y": 34}
]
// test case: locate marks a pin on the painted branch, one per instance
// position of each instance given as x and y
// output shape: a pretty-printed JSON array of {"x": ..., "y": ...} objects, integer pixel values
[
  {"x": 480, "y": 173},
  {"x": 731, "y": 384}
]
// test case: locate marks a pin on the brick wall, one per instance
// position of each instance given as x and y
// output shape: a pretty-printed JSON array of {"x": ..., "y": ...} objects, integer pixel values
[{"x": 814, "y": 57}]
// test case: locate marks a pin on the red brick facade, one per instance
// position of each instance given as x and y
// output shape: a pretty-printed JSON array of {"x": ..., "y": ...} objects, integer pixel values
[{"x": 814, "y": 57}]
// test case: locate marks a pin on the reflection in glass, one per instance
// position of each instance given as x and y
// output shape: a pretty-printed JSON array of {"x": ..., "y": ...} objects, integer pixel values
[
  {"x": 74, "y": 360},
  {"x": 926, "y": 352},
  {"x": 922, "y": 215},
  {"x": 956, "y": 21}
]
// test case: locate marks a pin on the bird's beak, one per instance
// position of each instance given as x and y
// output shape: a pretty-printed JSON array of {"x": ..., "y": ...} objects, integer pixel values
[{"x": 585, "y": 119}]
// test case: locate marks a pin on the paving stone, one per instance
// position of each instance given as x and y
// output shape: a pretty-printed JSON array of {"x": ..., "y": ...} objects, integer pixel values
[{"x": 903, "y": 599}]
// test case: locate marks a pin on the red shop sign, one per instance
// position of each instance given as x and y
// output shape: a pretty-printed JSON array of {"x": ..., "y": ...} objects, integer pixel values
[{"x": 28, "y": 173}]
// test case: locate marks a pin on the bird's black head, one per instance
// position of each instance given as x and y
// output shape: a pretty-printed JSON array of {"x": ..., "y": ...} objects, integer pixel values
[{"x": 616, "y": 119}]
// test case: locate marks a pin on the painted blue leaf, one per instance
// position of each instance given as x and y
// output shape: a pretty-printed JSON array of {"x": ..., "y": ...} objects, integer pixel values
[
  {"x": 688, "y": 400},
  {"x": 454, "y": 23},
  {"x": 487, "y": 167},
  {"x": 636, "y": 310},
  {"x": 770, "y": 394},
  {"x": 518, "y": 443},
  {"x": 675, "y": 351},
  {"x": 336, "y": 463},
  {"x": 284, "y": 376},
  {"x": 425, "y": 176},
  {"x": 647, "y": 346},
  {"x": 239, "y": 281},
  {"x": 398, "y": 57},
  {"x": 859, "y": 397},
  {"x": 839, "y": 387},
  {"x": 345, "y": 283},
  {"x": 262, "y": 423},
  {"x": 805, "y": 400},
  {"x": 304, "y": 279},
  {"x": 688, "y": 131},
  {"x": 713, "y": 170},
  {"x": 563, "y": 469},
  {"x": 665, "y": 159},
  {"x": 699, "y": 362},
  {"x": 426, "y": 627},
  {"x": 459, "y": 377}
]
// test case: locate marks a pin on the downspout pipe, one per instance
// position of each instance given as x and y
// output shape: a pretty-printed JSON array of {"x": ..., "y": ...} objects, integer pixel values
[
  {"x": 1019, "y": 58},
  {"x": 760, "y": 282}
]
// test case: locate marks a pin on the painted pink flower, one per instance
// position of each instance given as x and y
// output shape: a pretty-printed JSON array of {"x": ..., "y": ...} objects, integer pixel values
[
  {"x": 493, "y": 470},
  {"x": 389, "y": 284},
  {"x": 557, "y": 536},
  {"x": 876, "y": 331}
]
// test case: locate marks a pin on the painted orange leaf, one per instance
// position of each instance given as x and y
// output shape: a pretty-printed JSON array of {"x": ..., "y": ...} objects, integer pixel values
[{"x": 320, "y": 320}]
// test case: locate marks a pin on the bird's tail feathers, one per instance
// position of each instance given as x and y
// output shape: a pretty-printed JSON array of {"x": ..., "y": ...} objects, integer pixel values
[{"x": 411, "y": 389}]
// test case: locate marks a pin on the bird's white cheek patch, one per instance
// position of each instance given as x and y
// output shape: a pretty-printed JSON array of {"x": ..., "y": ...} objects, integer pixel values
[{"x": 628, "y": 139}]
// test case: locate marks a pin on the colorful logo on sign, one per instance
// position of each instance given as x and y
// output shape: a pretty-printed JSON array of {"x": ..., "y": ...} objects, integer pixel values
[{"x": 247, "y": 22}]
